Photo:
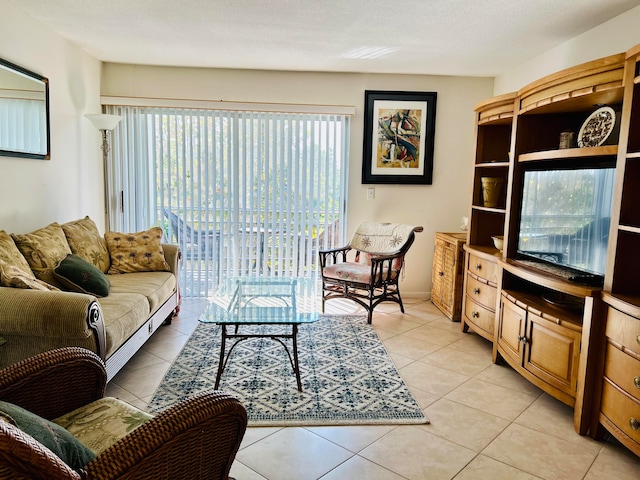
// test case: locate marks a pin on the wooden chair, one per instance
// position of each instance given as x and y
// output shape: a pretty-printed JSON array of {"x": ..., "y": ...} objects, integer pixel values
[
  {"x": 372, "y": 276},
  {"x": 197, "y": 438}
]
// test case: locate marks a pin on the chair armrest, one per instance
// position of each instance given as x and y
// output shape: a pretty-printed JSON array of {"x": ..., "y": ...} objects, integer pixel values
[
  {"x": 384, "y": 266},
  {"x": 333, "y": 256},
  {"x": 54, "y": 382},
  {"x": 202, "y": 434}
]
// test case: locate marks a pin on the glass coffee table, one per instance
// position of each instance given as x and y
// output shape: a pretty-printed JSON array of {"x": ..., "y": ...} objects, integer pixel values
[{"x": 261, "y": 301}]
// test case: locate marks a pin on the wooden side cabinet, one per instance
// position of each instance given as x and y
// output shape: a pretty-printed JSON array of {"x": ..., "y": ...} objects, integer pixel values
[
  {"x": 619, "y": 407},
  {"x": 448, "y": 273}
]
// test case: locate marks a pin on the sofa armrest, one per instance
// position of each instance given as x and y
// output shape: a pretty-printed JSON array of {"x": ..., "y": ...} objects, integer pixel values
[
  {"x": 172, "y": 256},
  {"x": 33, "y": 321},
  {"x": 55, "y": 382}
]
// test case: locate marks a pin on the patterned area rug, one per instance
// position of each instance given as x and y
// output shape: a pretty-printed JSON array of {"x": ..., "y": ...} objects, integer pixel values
[{"x": 347, "y": 376}]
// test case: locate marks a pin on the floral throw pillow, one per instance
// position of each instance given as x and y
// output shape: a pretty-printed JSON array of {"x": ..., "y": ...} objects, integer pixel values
[
  {"x": 43, "y": 249},
  {"x": 86, "y": 242},
  {"x": 10, "y": 255},
  {"x": 136, "y": 252}
]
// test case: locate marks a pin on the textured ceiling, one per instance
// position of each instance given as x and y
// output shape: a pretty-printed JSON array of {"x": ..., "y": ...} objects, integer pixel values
[{"x": 446, "y": 37}]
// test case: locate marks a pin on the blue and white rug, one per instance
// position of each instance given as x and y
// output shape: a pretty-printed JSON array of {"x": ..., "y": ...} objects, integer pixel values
[{"x": 347, "y": 376}]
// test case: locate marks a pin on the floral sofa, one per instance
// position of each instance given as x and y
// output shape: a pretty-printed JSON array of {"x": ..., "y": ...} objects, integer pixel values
[{"x": 66, "y": 285}]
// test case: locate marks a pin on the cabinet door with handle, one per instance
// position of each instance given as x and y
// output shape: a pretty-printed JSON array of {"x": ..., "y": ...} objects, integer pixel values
[
  {"x": 553, "y": 353},
  {"x": 511, "y": 330}
]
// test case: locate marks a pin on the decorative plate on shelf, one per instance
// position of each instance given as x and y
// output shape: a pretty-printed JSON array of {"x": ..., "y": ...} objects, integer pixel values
[{"x": 597, "y": 127}]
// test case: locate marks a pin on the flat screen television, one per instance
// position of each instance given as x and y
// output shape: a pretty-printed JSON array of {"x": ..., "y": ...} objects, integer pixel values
[{"x": 564, "y": 220}]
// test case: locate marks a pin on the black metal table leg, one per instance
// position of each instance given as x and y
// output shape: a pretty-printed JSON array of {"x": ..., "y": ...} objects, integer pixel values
[
  {"x": 221, "y": 362},
  {"x": 296, "y": 365}
]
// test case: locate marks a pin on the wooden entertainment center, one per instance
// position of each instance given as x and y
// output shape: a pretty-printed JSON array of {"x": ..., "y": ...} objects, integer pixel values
[{"x": 577, "y": 341}]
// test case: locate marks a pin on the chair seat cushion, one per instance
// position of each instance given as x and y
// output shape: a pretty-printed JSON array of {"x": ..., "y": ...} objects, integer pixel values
[
  {"x": 66, "y": 446},
  {"x": 351, "y": 272},
  {"x": 102, "y": 423}
]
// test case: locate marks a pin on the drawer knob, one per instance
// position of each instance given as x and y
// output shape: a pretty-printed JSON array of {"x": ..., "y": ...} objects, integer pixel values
[
  {"x": 634, "y": 424},
  {"x": 479, "y": 266},
  {"x": 475, "y": 314},
  {"x": 441, "y": 274},
  {"x": 522, "y": 338},
  {"x": 636, "y": 382},
  {"x": 476, "y": 291}
]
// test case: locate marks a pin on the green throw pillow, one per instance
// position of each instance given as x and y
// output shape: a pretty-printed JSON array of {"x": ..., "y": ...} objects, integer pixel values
[
  {"x": 70, "y": 450},
  {"x": 78, "y": 275}
]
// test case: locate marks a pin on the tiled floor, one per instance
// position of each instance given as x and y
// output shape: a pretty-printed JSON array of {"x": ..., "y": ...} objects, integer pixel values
[{"x": 487, "y": 422}]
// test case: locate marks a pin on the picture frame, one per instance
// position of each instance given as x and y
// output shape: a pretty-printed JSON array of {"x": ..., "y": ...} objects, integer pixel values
[{"x": 399, "y": 133}]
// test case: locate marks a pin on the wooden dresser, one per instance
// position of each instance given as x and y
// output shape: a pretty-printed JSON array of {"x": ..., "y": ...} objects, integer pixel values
[
  {"x": 448, "y": 272},
  {"x": 619, "y": 410},
  {"x": 480, "y": 292}
]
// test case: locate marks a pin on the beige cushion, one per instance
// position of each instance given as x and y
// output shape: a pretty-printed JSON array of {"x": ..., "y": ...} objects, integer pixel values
[
  {"x": 43, "y": 249},
  {"x": 124, "y": 314},
  {"x": 155, "y": 286},
  {"x": 136, "y": 252},
  {"x": 86, "y": 242},
  {"x": 10, "y": 255},
  {"x": 11, "y": 276},
  {"x": 103, "y": 422}
]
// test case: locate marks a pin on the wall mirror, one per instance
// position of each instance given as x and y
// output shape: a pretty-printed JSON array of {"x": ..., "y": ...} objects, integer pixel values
[{"x": 24, "y": 113}]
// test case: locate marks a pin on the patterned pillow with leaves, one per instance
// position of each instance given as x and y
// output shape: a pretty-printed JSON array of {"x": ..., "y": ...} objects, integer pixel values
[
  {"x": 86, "y": 242},
  {"x": 10, "y": 255},
  {"x": 43, "y": 249},
  {"x": 136, "y": 252}
]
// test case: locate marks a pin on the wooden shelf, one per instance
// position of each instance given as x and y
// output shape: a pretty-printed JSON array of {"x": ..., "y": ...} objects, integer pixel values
[
  {"x": 569, "y": 153},
  {"x": 489, "y": 209},
  {"x": 548, "y": 280},
  {"x": 492, "y": 164},
  {"x": 629, "y": 228},
  {"x": 484, "y": 251}
]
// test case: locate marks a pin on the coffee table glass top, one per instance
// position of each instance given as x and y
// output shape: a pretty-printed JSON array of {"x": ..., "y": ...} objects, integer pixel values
[{"x": 260, "y": 300}]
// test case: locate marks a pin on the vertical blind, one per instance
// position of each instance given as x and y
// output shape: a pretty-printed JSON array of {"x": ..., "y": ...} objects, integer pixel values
[{"x": 244, "y": 193}]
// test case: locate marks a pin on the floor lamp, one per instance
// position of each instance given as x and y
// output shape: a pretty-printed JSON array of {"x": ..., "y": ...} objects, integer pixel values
[{"x": 105, "y": 123}]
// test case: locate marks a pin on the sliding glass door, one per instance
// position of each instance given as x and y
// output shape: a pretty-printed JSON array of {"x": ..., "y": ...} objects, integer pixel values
[{"x": 242, "y": 192}]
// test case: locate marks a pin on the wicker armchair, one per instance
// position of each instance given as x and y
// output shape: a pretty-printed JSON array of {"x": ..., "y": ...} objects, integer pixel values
[
  {"x": 197, "y": 438},
  {"x": 372, "y": 276}
]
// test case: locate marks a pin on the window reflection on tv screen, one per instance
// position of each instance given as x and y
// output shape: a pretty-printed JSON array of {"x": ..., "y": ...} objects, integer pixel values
[{"x": 565, "y": 217}]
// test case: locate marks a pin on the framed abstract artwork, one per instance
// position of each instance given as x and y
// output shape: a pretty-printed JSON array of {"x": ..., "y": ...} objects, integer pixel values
[{"x": 399, "y": 131}]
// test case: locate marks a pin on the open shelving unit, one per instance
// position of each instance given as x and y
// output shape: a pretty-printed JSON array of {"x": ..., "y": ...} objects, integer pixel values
[{"x": 494, "y": 120}]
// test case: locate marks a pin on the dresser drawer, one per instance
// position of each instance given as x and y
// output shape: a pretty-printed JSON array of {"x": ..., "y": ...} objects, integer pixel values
[
  {"x": 623, "y": 330},
  {"x": 478, "y": 315},
  {"x": 483, "y": 268},
  {"x": 623, "y": 370},
  {"x": 621, "y": 410},
  {"x": 481, "y": 292}
]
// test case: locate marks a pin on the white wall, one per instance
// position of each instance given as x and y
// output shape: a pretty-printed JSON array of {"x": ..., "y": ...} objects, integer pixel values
[
  {"x": 436, "y": 207},
  {"x": 615, "y": 36},
  {"x": 34, "y": 193}
]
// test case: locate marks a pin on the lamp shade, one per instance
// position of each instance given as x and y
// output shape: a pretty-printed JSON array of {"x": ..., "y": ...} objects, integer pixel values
[{"x": 103, "y": 121}]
